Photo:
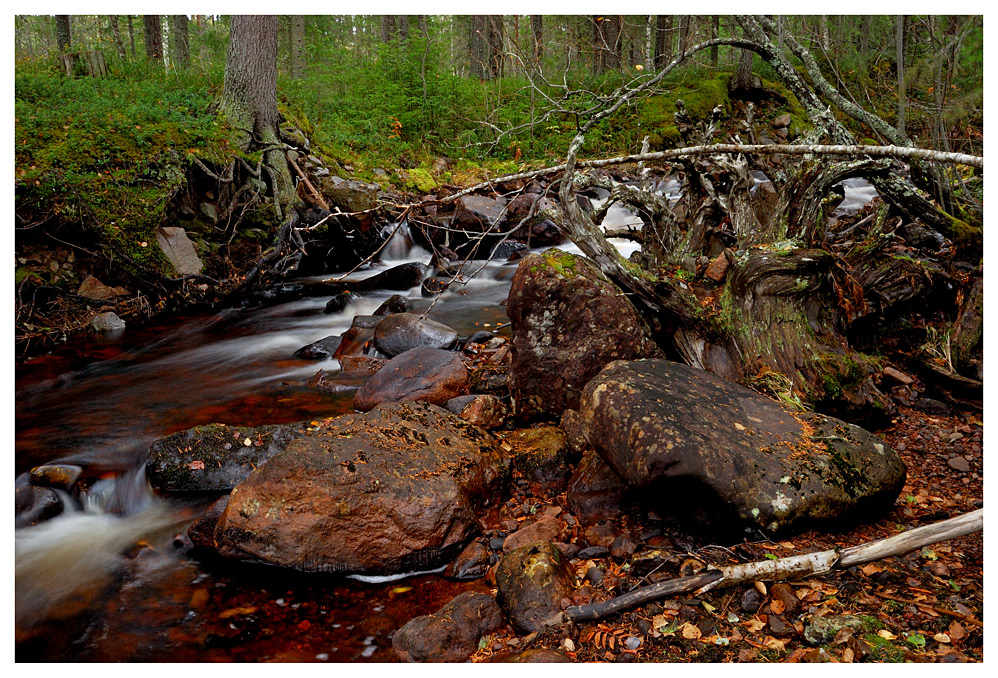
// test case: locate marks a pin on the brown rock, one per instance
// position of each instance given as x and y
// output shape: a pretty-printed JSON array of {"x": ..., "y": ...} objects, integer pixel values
[
  {"x": 595, "y": 491},
  {"x": 532, "y": 581},
  {"x": 202, "y": 532},
  {"x": 898, "y": 376},
  {"x": 782, "y": 120},
  {"x": 59, "y": 476},
  {"x": 785, "y": 594},
  {"x": 540, "y": 456},
  {"x": 92, "y": 288},
  {"x": 569, "y": 321},
  {"x": 353, "y": 341},
  {"x": 483, "y": 410},
  {"x": 571, "y": 425},
  {"x": 601, "y": 534},
  {"x": 427, "y": 374},
  {"x": 472, "y": 563},
  {"x": 959, "y": 464},
  {"x": 764, "y": 202},
  {"x": 535, "y": 656},
  {"x": 361, "y": 363},
  {"x": 543, "y": 530},
  {"x": 451, "y": 634},
  {"x": 718, "y": 268},
  {"x": 399, "y": 489},
  {"x": 400, "y": 332}
]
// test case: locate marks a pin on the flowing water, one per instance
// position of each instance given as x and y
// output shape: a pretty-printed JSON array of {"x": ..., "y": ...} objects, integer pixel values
[{"x": 109, "y": 579}]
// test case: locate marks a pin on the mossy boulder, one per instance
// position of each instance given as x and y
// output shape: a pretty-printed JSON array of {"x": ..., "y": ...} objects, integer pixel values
[{"x": 716, "y": 452}]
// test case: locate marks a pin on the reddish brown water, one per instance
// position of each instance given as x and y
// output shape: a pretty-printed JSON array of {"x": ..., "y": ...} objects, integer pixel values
[{"x": 99, "y": 587}]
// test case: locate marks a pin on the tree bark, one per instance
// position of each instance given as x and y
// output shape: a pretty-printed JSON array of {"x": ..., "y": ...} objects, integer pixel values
[
  {"x": 684, "y": 32},
  {"x": 249, "y": 96},
  {"x": 180, "y": 41},
  {"x": 387, "y": 28},
  {"x": 537, "y": 33},
  {"x": 297, "y": 46},
  {"x": 402, "y": 21},
  {"x": 663, "y": 40},
  {"x": 62, "y": 33},
  {"x": 154, "y": 37},
  {"x": 116, "y": 30},
  {"x": 715, "y": 32},
  {"x": 131, "y": 35},
  {"x": 902, "y": 98},
  {"x": 476, "y": 45},
  {"x": 494, "y": 44}
]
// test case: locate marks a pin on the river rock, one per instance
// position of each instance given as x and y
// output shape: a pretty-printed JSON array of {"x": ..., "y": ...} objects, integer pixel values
[
  {"x": 323, "y": 348},
  {"x": 477, "y": 213},
  {"x": 33, "y": 504},
  {"x": 595, "y": 491},
  {"x": 340, "y": 302},
  {"x": 393, "y": 304},
  {"x": 531, "y": 582},
  {"x": 546, "y": 529},
  {"x": 483, "y": 410},
  {"x": 724, "y": 455},
  {"x": 396, "y": 490},
  {"x": 540, "y": 456},
  {"x": 92, "y": 288},
  {"x": 538, "y": 655},
  {"x": 353, "y": 341},
  {"x": 349, "y": 195},
  {"x": 202, "y": 532},
  {"x": 361, "y": 363},
  {"x": 399, "y": 278},
  {"x": 451, "y": 634},
  {"x": 399, "y": 332},
  {"x": 215, "y": 457},
  {"x": 179, "y": 250},
  {"x": 472, "y": 563},
  {"x": 107, "y": 322},
  {"x": 569, "y": 321},
  {"x": 428, "y": 374}
]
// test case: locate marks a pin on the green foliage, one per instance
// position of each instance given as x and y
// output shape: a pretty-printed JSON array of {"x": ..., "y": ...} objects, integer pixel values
[{"x": 107, "y": 152}]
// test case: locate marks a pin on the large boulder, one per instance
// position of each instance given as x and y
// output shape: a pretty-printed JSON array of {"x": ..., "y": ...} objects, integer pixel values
[
  {"x": 179, "y": 250},
  {"x": 215, "y": 457},
  {"x": 428, "y": 374},
  {"x": 451, "y": 634},
  {"x": 397, "y": 278},
  {"x": 569, "y": 321},
  {"x": 727, "y": 456},
  {"x": 399, "y": 332},
  {"x": 477, "y": 213},
  {"x": 350, "y": 195},
  {"x": 396, "y": 490}
]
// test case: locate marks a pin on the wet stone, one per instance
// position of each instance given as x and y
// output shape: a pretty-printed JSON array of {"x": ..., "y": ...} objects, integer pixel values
[
  {"x": 340, "y": 302},
  {"x": 451, "y": 634},
  {"x": 59, "y": 476},
  {"x": 321, "y": 349},
  {"x": 532, "y": 581}
]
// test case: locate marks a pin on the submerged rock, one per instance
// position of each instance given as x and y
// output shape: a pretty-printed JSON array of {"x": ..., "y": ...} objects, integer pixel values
[
  {"x": 569, "y": 321},
  {"x": 722, "y": 454},
  {"x": 451, "y": 634},
  {"x": 318, "y": 350},
  {"x": 428, "y": 374},
  {"x": 400, "y": 332},
  {"x": 399, "y": 489}
]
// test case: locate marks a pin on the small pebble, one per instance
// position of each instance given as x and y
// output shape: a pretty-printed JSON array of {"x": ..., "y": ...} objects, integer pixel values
[{"x": 632, "y": 642}]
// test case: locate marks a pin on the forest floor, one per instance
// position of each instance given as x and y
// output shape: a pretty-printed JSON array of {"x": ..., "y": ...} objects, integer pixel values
[{"x": 926, "y": 606}]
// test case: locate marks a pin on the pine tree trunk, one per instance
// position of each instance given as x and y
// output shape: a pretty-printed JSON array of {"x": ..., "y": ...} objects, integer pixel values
[
  {"x": 154, "y": 37},
  {"x": 131, "y": 35},
  {"x": 663, "y": 40},
  {"x": 496, "y": 37},
  {"x": 249, "y": 95},
  {"x": 902, "y": 98},
  {"x": 537, "y": 30},
  {"x": 62, "y": 32},
  {"x": 387, "y": 28},
  {"x": 180, "y": 41},
  {"x": 476, "y": 45}
]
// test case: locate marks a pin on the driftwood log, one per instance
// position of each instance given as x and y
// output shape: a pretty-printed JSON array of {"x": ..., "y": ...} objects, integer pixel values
[{"x": 785, "y": 568}]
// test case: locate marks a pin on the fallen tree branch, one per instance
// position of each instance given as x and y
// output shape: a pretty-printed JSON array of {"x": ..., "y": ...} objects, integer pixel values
[
  {"x": 758, "y": 149},
  {"x": 784, "y": 568}
]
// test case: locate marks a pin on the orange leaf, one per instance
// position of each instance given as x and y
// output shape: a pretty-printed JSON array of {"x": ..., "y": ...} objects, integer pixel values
[{"x": 777, "y": 607}]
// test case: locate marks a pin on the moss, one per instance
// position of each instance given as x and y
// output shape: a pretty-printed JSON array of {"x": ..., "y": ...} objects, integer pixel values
[
  {"x": 882, "y": 650},
  {"x": 420, "y": 179},
  {"x": 563, "y": 263},
  {"x": 700, "y": 96}
]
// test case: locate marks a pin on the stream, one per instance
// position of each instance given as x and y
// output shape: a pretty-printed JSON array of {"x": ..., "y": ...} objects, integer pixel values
[{"x": 110, "y": 579}]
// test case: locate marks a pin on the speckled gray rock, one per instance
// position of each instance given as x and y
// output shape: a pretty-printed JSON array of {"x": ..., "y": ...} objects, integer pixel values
[{"x": 723, "y": 454}]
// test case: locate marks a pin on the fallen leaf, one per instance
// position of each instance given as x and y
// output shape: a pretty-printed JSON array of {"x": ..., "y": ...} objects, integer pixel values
[
  {"x": 941, "y": 638},
  {"x": 197, "y": 466},
  {"x": 847, "y": 655},
  {"x": 956, "y": 631},
  {"x": 739, "y": 426},
  {"x": 886, "y": 635},
  {"x": 754, "y": 625},
  {"x": 248, "y": 442},
  {"x": 237, "y": 611},
  {"x": 774, "y": 644},
  {"x": 777, "y": 606},
  {"x": 870, "y": 570},
  {"x": 760, "y": 587},
  {"x": 691, "y": 632}
]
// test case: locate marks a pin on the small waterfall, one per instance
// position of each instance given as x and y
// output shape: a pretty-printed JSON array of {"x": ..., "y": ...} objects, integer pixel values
[
  {"x": 62, "y": 565},
  {"x": 400, "y": 241}
]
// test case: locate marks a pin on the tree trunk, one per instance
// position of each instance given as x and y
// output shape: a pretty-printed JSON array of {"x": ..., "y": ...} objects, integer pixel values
[
  {"x": 116, "y": 29},
  {"x": 607, "y": 35},
  {"x": 154, "y": 37},
  {"x": 902, "y": 98},
  {"x": 684, "y": 32},
  {"x": 494, "y": 44},
  {"x": 715, "y": 31},
  {"x": 537, "y": 32},
  {"x": 663, "y": 40},
  {"x": 131, "y": 35},
  {"x": 180, "y": 41},
  {"x": 476, "y": 45},
  {"x": 249, "y": 96},
  {"x": 297, "y": 46},
  {"x": 387, "y": 28},
  {"x": 402, "y": 21},
  {"x": 62, "y": 32}
]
